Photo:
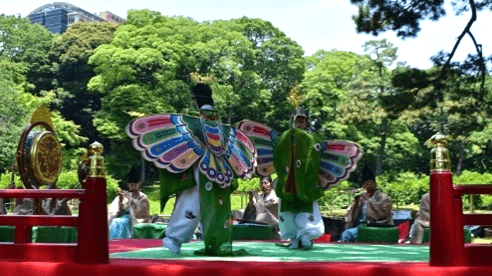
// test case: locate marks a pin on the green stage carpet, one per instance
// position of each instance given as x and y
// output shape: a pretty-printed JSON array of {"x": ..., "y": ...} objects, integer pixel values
[{"x": 265, "y": 252}]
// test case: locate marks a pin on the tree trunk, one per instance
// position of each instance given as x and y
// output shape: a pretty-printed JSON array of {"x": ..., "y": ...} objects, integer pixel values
[
  {"x": 384, "y": 135},
  {"x": 142, "y": 177},
  {"x": 462, "y": 157},
  {"x": 229, "y": 116}
]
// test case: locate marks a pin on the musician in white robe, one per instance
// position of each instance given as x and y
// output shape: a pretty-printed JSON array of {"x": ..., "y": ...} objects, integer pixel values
[{"x": 127, "y": 209}]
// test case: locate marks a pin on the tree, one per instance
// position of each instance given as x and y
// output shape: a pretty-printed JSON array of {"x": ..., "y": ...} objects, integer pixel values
[
  {"x": 73, "y": 50},
  {"x": 12, "y": 113},
  {"x": 456, "y": 89},
  {"x": 150, "y": 65},
  {"x": 382, "y": 54},
  {"x": 16, "y": 108},
  {"x": 326, "y": 86},
  {"x": 32, "y": 45},
  {"x": 404, "y": 17},
  {"x": 364, "y": 105},
  {"x": 147, "y": 68},
  {"x": 266, "y": 65}
]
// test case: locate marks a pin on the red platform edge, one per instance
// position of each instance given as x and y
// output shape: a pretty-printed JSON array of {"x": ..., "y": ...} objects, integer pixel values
[{"x": 124, "y": 267}]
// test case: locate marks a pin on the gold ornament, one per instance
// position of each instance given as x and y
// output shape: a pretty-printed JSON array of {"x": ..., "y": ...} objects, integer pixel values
[
  {"x": 440, "y": 161},
  {"x": 295, "y": 96},
  {"x": 42, "y": 114},
  {"x": 96, "y": 167}
]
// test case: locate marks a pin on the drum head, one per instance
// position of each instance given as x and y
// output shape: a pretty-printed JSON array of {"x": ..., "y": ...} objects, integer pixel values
[
  {"x": 46, "y": 158},
  {"x": 39, "y": 156}
]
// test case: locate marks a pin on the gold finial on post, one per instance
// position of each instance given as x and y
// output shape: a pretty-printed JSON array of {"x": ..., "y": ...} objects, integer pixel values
[
  {"x": 96, "y": 168},
  {"x": 440, "y": 160}
]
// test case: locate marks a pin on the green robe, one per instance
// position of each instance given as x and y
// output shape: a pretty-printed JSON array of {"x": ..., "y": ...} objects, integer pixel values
[
  {"x": 297, "y": 164},
  {"x": 215, "y": 203}
]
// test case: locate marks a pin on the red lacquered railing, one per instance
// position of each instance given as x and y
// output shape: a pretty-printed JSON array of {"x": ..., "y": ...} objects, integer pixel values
[
  {"x": 447, "y": 246},
  {"x": 91, "y": 223}
]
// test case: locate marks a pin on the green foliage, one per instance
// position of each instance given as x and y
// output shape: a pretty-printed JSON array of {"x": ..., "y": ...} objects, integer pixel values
[
  {"x": 12, "y": 121},
  {"x": 121, "y": 159},
  {"x": 326, "y": 87},
  {"x": 71, "y": 158},
  {"x": 339, "y": 196},
  {"x": 70, "y": 180},
  {"x": 474, "y": 178},
  {"x": 405, "y": 187},
  {"x": 248, "y": 185},
  {"x": 29, "y": 45},
  {"x": 147, "y": 67},
  {"x": 6, "y": 178},
  {"x": 66, "y": 180},
  {"x": 470, "y": 177},
  {"x": 16, "y": 108},
  {"x": 72, "y": 50},
  {"x": 252, "y": 184},
  {"x": 66, "y": 131}
]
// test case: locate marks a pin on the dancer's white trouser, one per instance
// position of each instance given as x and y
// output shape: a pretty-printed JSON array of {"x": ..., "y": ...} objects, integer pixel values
[
  {"x": 186, "y": 215},
  {"x": 295, "y": 225}
]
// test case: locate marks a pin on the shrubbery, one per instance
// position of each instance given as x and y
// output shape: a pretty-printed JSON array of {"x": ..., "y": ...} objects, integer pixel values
[
  {"x": 67, "y": 180},
  {"x": 404, "y": 188},
  {"x": 470, "y": 178},
  {"x": 337, "y": 197},
  {"x": 407, "y": 188}
]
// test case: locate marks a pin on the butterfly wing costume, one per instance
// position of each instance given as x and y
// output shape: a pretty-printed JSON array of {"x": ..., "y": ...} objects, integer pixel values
[{"x": 193, "y": 151}]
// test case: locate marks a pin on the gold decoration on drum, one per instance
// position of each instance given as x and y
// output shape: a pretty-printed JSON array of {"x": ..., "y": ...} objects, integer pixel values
[
  {"x": 42, "y": 114},
  {"x": 440, "y": 160},
  {"x": 46, "y": 157}
]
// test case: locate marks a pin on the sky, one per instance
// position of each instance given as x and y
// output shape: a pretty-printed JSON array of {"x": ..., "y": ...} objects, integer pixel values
[{"x": 313, "y": 24}]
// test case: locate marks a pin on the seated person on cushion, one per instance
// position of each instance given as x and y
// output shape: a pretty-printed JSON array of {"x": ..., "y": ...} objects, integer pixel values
[
  {"x": 128, "y": 208},
  {"x": 372, "y": 208},
  {"x": 422, "y": 221},
  {"x": 264, "y": 207}
]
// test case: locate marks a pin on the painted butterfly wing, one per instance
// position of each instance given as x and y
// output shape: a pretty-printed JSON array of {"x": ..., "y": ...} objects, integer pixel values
[
  {"x": 262, "y": 137},
  {"x": 166, "y": 140},
  {"x": 338, "y": 160}
]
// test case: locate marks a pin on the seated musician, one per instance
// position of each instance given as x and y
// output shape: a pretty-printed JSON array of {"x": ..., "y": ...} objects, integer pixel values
[
  {"x": 422, "y": 221},
  {"x": 23, "y": 206},
  {"x": 128, "y": 208},
  {"x": 373, "y": 208},
  {"x": 3, "y": 202},
  {"x": 48, "y": 206},
  {"x": 58, "y": 206},
  {"x": 263, "y": 207}
]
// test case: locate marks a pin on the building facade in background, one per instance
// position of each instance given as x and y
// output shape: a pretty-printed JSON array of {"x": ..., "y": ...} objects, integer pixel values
[
  {"x": 111, "y": 17},
  {"x": 57, "y": 16}
]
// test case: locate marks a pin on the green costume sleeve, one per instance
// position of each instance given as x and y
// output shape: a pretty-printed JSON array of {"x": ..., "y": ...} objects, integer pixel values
[{"x": 171, "y": 183}]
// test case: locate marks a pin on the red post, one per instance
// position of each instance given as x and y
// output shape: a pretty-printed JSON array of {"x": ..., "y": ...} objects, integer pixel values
[
  {"x": 444, "y": 244},
  {"x": 22, "y": 233},
  {"x": 93, "y": 227}
]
